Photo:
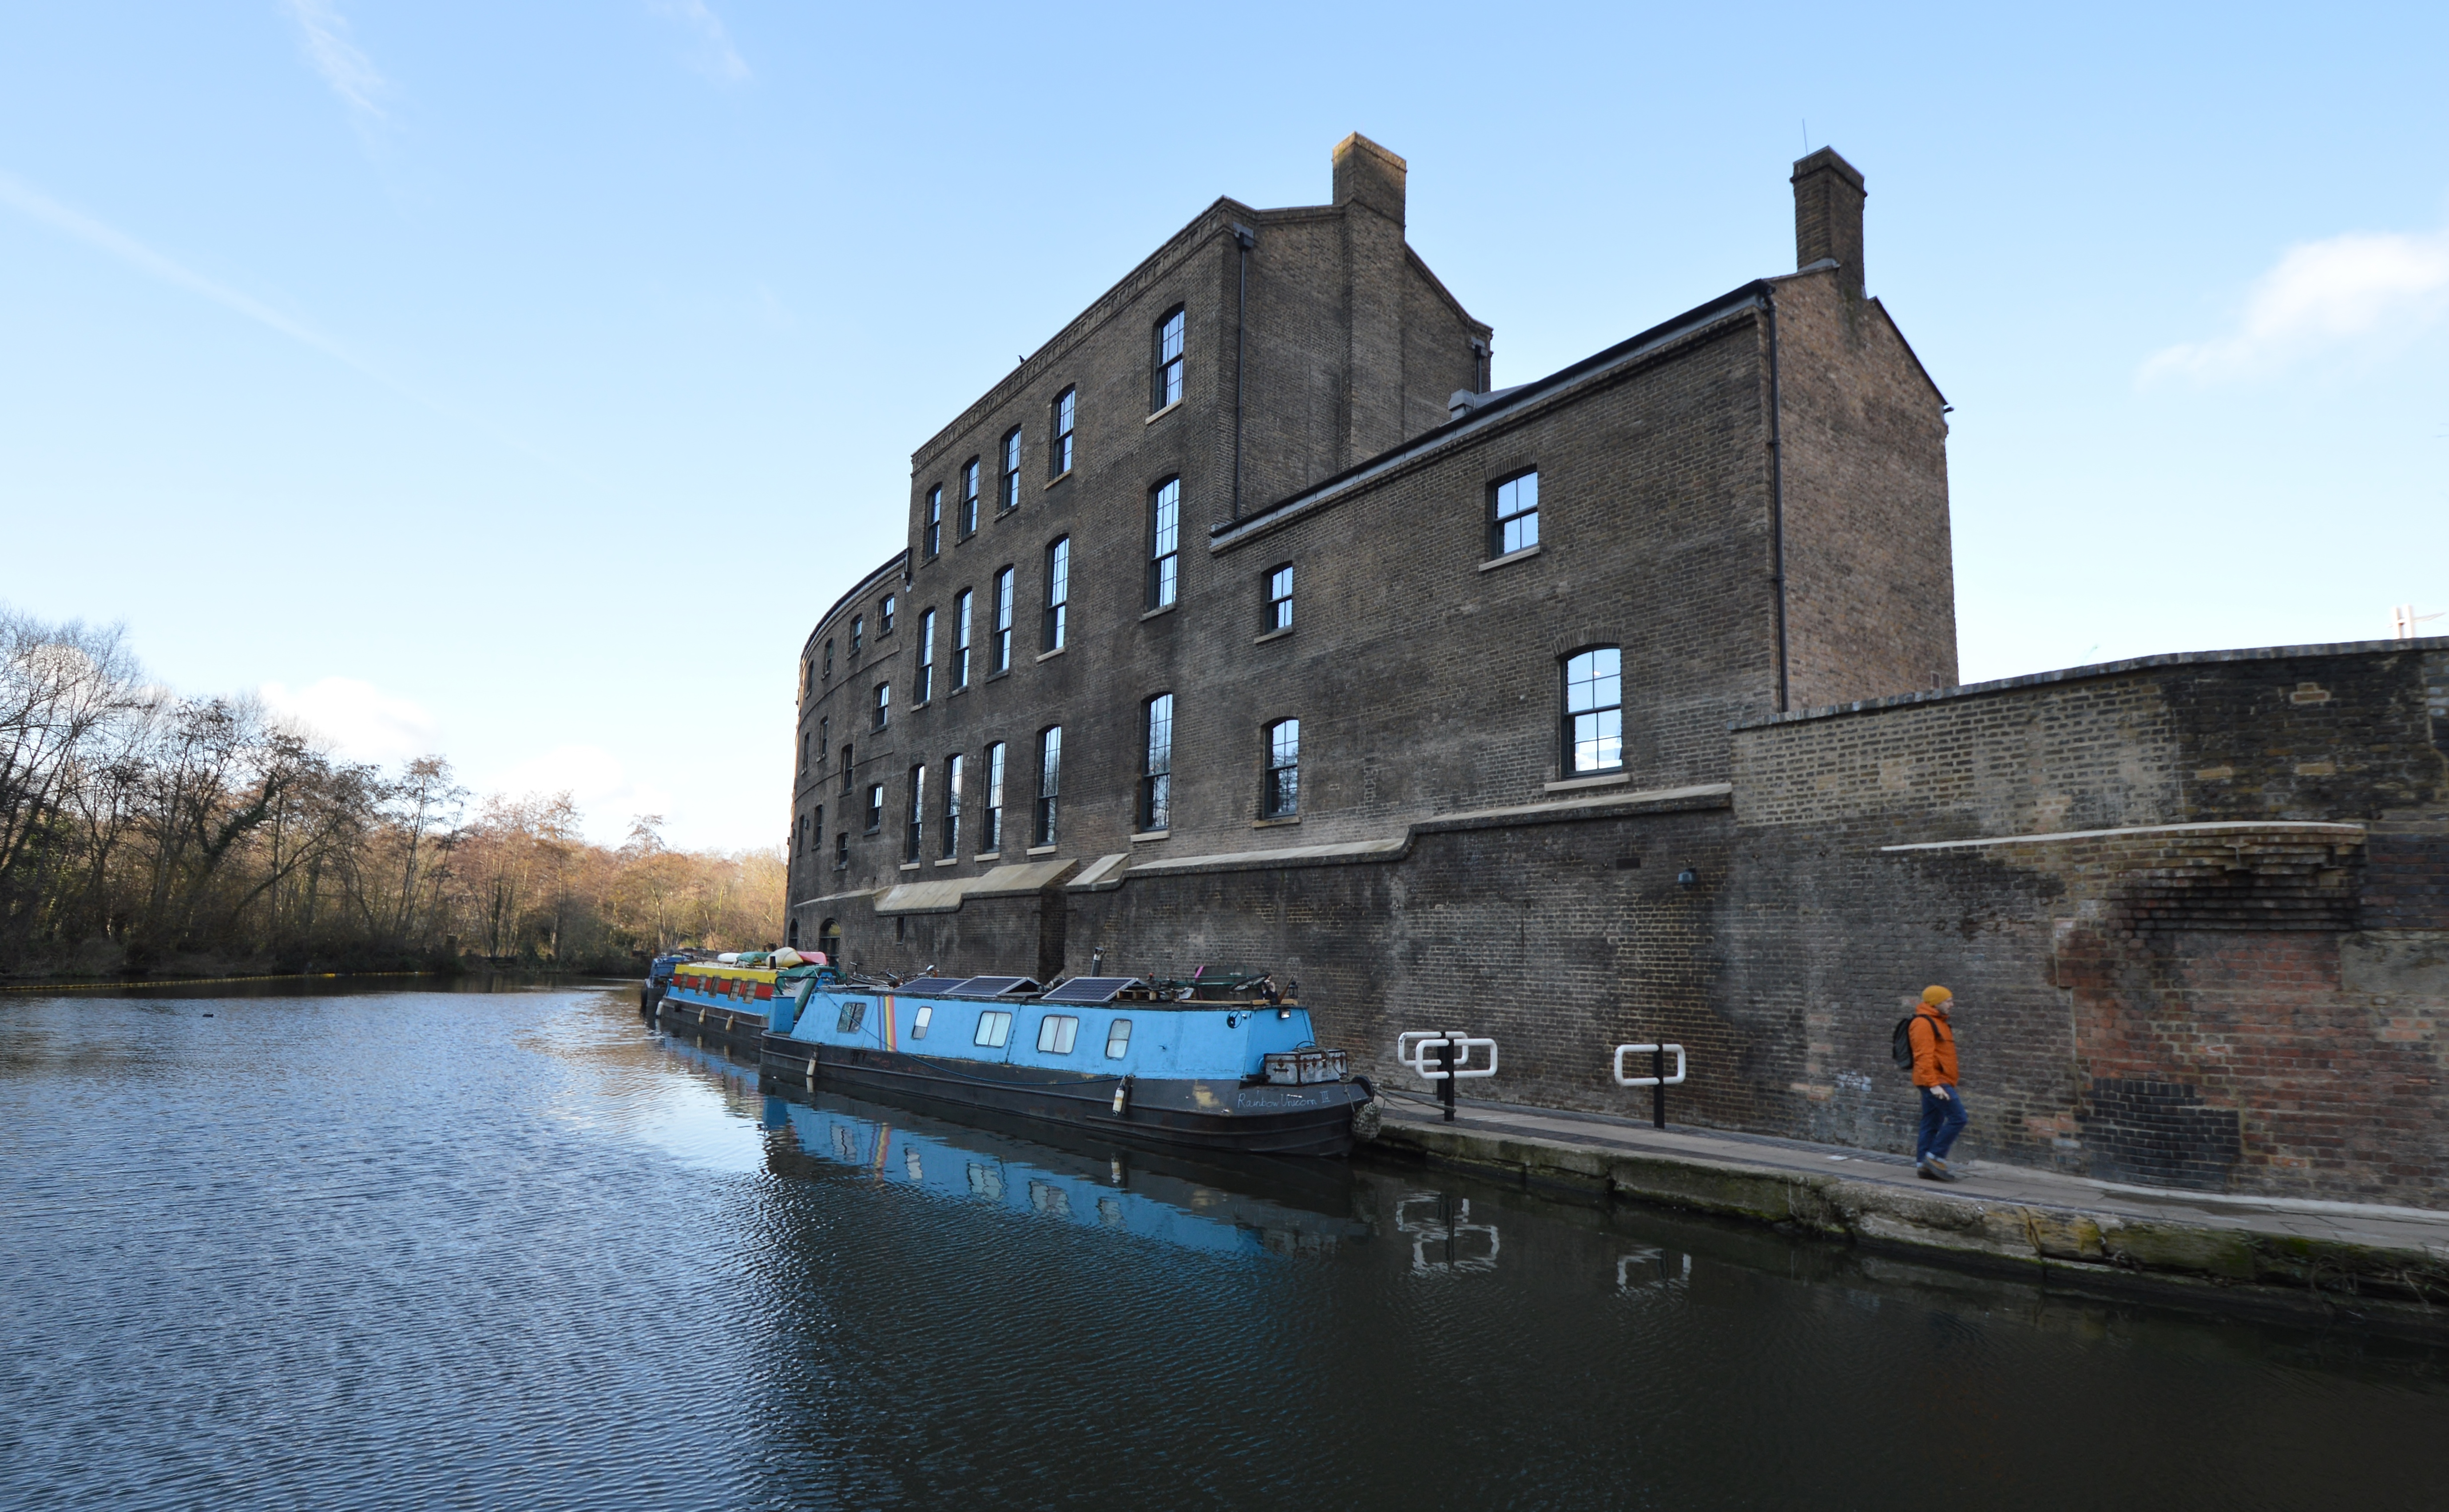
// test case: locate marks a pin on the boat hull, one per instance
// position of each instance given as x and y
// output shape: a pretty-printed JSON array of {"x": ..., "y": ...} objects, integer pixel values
[{"x": 1185, "y": 1114}]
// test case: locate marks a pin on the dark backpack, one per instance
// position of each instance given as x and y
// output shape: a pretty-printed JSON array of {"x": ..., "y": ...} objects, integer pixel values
[{"x": 1900, "y": 1041}]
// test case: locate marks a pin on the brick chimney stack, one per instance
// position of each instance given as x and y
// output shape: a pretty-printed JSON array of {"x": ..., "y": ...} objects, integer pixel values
[
  {"x": 1366, "y": 173},
  {"x": 1828, "y": 215}
]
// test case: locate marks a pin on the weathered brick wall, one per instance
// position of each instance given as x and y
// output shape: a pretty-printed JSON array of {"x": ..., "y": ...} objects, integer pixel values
[{"x": 2256, "y": 1005}]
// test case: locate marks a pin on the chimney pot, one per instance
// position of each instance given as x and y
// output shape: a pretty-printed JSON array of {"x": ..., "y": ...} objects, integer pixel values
[{"x": 1828, "y": 216}]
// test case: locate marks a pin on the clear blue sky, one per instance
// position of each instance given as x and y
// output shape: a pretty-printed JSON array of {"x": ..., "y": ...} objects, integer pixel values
[{"x": 490, "y": 378}]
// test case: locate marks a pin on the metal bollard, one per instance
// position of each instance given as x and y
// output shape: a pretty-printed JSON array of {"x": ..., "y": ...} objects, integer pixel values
[
  {"x": 1446, "y": 1087},
  {"x": 1658, "y": 1080}
]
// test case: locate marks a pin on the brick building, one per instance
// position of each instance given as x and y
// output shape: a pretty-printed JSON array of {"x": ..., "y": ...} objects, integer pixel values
[{"x": 1242, "y": 624}]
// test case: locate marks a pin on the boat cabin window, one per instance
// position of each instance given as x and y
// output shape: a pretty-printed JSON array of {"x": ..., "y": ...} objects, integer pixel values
[
  {"x": 918, "y": 1023},
  {"x": 994, "y": 1028},
  {"x": 853, "y": 1015},
  {"x": 1118, "y": 1039},
  {"x": 1056, "y": 1032}
]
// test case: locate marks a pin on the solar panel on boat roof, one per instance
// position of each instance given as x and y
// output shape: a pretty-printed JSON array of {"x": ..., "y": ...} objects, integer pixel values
[
  {"x": 995, "y": 986},
  {"x": 930, "y": 984},
  {"x": 1091, "y": 989}
]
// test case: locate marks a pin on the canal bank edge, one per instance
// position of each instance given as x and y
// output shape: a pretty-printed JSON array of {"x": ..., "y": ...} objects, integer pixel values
[{"x": 2402, "y": 1289}]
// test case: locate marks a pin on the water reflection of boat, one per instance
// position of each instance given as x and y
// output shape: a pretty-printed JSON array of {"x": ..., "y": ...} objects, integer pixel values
[{"x": 1265, "y": 1208}]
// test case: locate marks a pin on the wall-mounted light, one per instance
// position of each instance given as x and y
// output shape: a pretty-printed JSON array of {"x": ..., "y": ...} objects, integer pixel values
[{"x": 1687, "y": 878}]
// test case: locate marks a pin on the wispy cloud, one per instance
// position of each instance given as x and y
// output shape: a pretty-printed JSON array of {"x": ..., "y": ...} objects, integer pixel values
[
  {"x": 348, "y": 70},
  {"x": 714, "y": 56},
  {"x": 32, "y": 202},
  {"x": 361, "y": 720},
  {"x": 24, "y": 198},
  {"x": 2344, "y": 295}
]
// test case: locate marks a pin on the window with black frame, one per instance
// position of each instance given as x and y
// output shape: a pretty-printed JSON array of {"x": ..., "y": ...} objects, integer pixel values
[
  {"x": 970, "y": 497},
  {"x": 1279, "y": 600},
  {"x": 875, "y": 807},
  {"x": 1281, "y": 799},
  {"x": 1165, "y": 543},
  {"x": 858, "y": 632},
  {"x": 935, "y": 531},
  {"x": 880, "y": 712},
  {"x": 1049, "y": 781},
  {"x": 952, "y": 837},
  {"x": 926, "y": 689},
  {"x": 915, "y": 830},
  {"x": 1594, "y": 711},
  {"x": 999, "y": 642},
  {"x": 1156, "y": 763},
  {"x": 1058, "y": 592},
  {"x": 1058, "y": 454},
  {"x": 1167, "y": 372},
  {"x": 1513, "y": 514},
  {"x": 884, "y": 613},
  {"x": 829, "y": 661},
  {"x": 1011, "y": 469},
  {"x": 961, "y": 638},
  {"x": 991, "y": 815},
  {"x": 841, "y": 849},
  {"x": 846, "y": 764}
]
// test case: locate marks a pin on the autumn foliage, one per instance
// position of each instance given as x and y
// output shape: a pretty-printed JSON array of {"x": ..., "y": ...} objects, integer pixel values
[{"x": 144, "y": 832}]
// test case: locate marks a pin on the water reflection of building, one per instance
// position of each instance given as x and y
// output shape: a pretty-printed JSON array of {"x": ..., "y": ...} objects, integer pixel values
[{"x": 1131, "y": 1192}]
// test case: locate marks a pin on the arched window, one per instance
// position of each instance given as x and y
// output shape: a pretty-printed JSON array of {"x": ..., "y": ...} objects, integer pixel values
[
  {"x": 1167, "y": 370},
  {"x": 1058, "y": 592},
  {"x": 1058, "y": 452},
  {"x": 1156, "y": 763},
  {"x": 1165, "y": 543},
  {"x": 1281, "y": 799},
  {"x": 1011, "y": 469},
  {"x": 829, "y": 940},
  {"x": 1593, "y": 725},
  {"x": 1049, "y": 781},
  {"x": 1000, "y": 633}
]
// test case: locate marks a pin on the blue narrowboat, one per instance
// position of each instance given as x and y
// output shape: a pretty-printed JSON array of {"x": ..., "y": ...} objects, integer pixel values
[{"x": 1221, "y": 1064}]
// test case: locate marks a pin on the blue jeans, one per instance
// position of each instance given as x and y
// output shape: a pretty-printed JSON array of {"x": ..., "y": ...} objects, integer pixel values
[{"x": 1943, "y": 1120}]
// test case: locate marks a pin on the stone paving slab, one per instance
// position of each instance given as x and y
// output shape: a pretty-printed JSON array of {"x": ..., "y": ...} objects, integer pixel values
[
  {"x": 2366, "y": 1222},
  {"x": 2366, "y": 1259}
]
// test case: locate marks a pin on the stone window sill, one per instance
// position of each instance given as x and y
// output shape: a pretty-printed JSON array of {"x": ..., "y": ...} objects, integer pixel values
[
  {"x": 1273, "y": 635},
  {"x": 1162, "y": 414},
  {"x": 950, "y": 861},
  {"x": 1049, "y": 656},
  {"x": 1270, "y": 824},
  {"x": 1162, "y": 608},
  {"x": 988, "y": 856},
  {"x": 1064, "y": 476},
  {"x": 1611, "y": 779},
  {"x": 992, "y": 676},
  {"x": 908, "y": 866},
  {"x": 1043, "y": 850},
  {"x": 1509, "y": 558},
  {"x": 957, "y": 692},
  {"x": 1147, "y": 835}
]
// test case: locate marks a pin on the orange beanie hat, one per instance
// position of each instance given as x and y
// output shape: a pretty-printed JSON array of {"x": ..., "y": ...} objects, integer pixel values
[{"x": 1934, "y": 996}]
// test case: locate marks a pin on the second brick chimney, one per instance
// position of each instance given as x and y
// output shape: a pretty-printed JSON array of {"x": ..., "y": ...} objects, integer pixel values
[
  {"x": 1828, "y": 215},
  {"x": 1366, "y": 173}
]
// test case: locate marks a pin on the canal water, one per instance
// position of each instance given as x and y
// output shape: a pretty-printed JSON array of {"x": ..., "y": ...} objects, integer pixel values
[{"x": 423, "y": 1249}]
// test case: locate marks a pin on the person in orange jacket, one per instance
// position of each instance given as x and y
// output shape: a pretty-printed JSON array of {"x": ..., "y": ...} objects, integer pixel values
[{"x": 1934, "y": 1072}]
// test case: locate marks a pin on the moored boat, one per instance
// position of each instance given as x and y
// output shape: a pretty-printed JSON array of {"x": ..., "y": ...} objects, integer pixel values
[{"x": 1215, "y": 1063}]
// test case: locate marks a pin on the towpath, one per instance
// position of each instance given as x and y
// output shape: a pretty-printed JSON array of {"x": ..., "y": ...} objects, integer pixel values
[{"x": 2368, "y": 1257}]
